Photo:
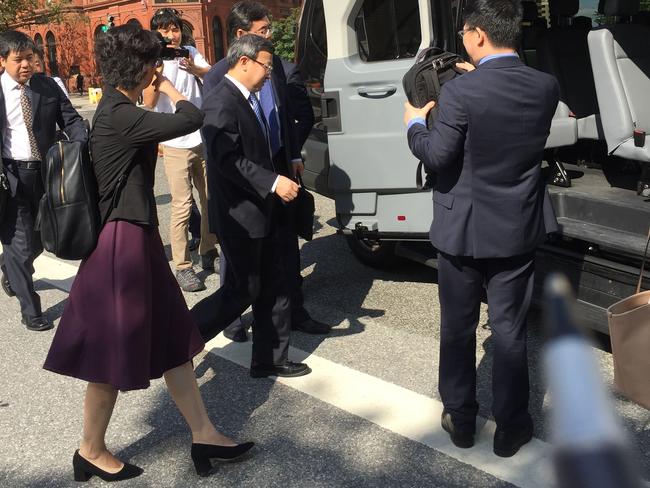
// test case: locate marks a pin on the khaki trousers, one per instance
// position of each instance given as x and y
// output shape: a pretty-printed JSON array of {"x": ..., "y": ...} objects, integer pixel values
[{"x": 185, "y": 168}]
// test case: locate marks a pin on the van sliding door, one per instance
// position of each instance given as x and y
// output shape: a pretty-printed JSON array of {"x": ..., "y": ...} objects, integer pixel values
[{"x": 377, "y": 42}]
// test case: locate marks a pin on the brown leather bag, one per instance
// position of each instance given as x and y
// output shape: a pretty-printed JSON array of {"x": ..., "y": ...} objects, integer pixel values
[{"x": 629, "y": 331}]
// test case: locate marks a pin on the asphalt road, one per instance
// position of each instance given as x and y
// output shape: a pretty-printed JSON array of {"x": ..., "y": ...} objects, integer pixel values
[{"x": 385, "y": 333}]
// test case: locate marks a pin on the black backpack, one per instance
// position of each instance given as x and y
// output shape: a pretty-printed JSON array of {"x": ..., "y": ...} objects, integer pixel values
[
  {"x": 422, "y": 83},
  {"x": 68, "y": 215}
]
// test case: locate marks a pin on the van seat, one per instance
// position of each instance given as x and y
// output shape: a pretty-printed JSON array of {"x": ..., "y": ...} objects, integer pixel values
[
  {"x": 532, "y": 27},
  {"x": 621, "y": 64},
  {"x": 564, "y": 128},
  {"x": 563, "y": 51}
]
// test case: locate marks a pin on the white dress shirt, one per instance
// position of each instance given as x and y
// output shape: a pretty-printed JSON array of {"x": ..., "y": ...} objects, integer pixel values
[
  {"x": 246, "y": 92},
  {"x": 185, "y": 82},
  {"x": 15, "y": 140}
]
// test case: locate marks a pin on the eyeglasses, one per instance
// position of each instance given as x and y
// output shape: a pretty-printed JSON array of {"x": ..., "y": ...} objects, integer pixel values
[
  {"x": 267, "y": 30},
  {"x": 165, "y": 10},
  {"x": 267, "y": 67},
  {"x": 462, "y": 32}
]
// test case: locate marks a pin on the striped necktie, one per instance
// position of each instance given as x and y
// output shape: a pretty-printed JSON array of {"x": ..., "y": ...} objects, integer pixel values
[
  {"x": 255, "y": 103},
  {"x": 28, "y": 118}
]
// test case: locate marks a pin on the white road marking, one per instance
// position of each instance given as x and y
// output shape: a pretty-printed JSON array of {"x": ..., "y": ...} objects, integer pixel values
[{"x": 396, "y": 409}]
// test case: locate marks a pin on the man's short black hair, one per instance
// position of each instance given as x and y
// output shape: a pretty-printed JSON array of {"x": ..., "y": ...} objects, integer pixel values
[
  {"x": 165, "y": 18},
  {"x": 242, "y": 15},
  {"x": 500, "y": 19},
  {"x": 14, "y": 41},
  {"x": 125, "y": 53}
]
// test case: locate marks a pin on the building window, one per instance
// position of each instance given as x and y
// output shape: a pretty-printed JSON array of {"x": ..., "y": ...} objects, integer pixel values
[
  {"x": 388, "y": 29},
  {"x": 51, "y": 54},
  {"x": 38, "y": 40},
  {"x": 188, "y": 34},
  {"x": 217, "y": 34}
]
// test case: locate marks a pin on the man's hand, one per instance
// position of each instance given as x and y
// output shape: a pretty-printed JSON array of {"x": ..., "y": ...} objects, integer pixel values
[
  {"x": 410, "y": 112},
  {"x": 286, "y": 189},
  {"x": 187, "y": 64},
  {"x": 297, "y": 167},
  {"x": 465, "y": 66}
]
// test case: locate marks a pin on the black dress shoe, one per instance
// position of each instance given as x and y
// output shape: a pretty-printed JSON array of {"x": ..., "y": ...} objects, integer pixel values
[
  {"x": 311, "y": 326},
  {"x": 203, "y": 453},
  {"x": 236, "y": 332},
  {"x": 6, "y": 286},
  {"x": 286, "y": 370},
  {"x": 461, "y": 437},
  {"x": 193, "y": 243},
  {"x": 38, "y": 323},
  {"x": 84, "y": 469},
  {"x": 508, "y": 441}
]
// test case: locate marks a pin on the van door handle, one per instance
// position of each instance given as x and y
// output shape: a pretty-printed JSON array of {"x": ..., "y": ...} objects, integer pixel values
[{"x": 377, "y": 92}]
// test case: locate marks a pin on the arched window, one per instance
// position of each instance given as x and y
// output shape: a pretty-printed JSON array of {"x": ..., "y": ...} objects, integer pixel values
[
  {"x": 50, "y": 42},
  {"x": 217, "y": 34},
  {"x": 188, "y": 34},
  {"x": 134, "y": 22},
  {"x": 38, "y": 40}
]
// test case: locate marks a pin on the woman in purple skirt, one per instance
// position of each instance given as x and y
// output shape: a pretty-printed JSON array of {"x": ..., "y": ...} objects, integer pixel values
[{"x": 126, "y": 320}]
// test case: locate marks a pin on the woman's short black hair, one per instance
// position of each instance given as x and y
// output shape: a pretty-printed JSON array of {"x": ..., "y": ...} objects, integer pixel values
[
  {"x": 165, "y": 18},
  {"x": 125, "y": 53},
  {"x": 242, "y": 15},
  {"x": 500, "y": 19}
]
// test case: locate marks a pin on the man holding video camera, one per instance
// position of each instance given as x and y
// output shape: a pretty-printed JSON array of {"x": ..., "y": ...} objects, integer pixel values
[{"x": 184, "y": 66}]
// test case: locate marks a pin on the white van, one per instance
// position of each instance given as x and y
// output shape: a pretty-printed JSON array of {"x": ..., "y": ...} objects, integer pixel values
[{"x": 353, "y": 55}]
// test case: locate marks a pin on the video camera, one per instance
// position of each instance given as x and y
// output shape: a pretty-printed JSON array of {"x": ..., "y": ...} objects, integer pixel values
[{"x": 169, "y": 53}]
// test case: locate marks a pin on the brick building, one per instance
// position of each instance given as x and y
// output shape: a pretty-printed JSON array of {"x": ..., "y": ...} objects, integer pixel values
[{"x": 68, "y": 46}]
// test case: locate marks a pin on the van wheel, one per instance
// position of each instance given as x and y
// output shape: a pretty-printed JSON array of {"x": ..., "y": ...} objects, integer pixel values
[{"x": 373, "y": 252}]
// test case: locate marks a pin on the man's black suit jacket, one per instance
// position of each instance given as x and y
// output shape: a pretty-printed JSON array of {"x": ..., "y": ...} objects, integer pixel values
[
  {"x": 50, "y": 107},
  {"x": 239, "y": 166},
  {"x": 299, "y": 103},
  {"x": 486, "y": 147},
  {"x": 287, "y": 125}
]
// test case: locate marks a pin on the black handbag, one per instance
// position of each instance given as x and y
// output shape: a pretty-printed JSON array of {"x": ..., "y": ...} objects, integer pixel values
[
  {"x": 4, "y": 190},
  {"x": 304, "y": 208}
]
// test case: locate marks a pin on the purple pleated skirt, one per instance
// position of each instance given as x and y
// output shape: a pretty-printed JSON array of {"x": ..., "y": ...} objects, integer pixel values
[{"x": 126, "y": 321}]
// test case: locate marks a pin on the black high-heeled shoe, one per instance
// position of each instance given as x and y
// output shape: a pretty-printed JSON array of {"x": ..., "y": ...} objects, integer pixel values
[
  {"x": 203, "y": 453},
  {"x": 84, "y": 469}
]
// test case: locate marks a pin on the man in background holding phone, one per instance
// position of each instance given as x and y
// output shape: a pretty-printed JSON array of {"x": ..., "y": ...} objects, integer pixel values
[{"x": 183, "y": 156}]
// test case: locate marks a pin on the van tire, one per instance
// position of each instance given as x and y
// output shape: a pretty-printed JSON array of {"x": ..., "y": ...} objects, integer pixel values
[{"x": 373, "y": 253}]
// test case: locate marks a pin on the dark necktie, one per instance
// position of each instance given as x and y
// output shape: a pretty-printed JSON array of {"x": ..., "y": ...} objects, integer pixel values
[
  {"x": 255, "y": 103},
  {"x": 28, "y": 118},
  {"x": 270, "y": 112}
]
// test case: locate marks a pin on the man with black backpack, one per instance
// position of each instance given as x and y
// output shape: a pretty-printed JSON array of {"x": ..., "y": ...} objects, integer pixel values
[
  {"x": 32, "y": 108},
  {"x": 486, "y": 149}
]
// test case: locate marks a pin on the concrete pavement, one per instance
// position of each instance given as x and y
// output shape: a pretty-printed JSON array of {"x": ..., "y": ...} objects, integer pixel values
[{"x": 367, "y": 417}]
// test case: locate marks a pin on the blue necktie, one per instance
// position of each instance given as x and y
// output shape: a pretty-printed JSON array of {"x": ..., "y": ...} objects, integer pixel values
[
  {"x": 255, "y": 103},
  {"x": 271, "y": 114}
]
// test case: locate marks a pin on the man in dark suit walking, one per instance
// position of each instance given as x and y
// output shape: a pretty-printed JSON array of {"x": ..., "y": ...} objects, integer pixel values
[
  {"x": 290, "y": 117},
  {"x": 249, "y": 188},
  {"x": 30, "y": 109},
  {"x": 486, "y": 147}
]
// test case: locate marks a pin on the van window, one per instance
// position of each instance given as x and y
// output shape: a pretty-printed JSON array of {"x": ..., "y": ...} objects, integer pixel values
[
  {"x": 388, "y": 29},
  {"x": 312, "y": 51}
]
